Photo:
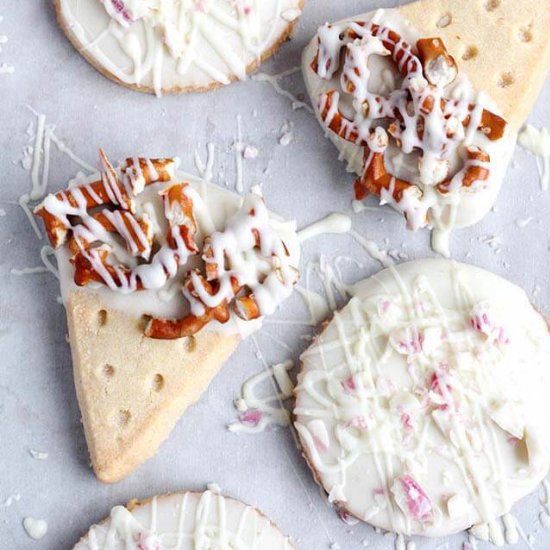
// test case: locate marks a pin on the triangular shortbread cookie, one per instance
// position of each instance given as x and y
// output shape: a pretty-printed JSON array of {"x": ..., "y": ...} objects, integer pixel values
[
  {"x": 424, "y": 102},
  {"x": 162, "y": 275},
  {"x": 131, "y": 389}
]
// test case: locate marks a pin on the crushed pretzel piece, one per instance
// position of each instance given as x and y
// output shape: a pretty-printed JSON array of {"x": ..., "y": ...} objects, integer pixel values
[{"x": 440, "y": 68}]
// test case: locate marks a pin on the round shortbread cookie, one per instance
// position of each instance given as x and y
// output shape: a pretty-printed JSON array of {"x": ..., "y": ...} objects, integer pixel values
[
  {"x": 422, "y": 407},
  {"x": 187, "y": 521},
  {"x": 176, "y": 47}
]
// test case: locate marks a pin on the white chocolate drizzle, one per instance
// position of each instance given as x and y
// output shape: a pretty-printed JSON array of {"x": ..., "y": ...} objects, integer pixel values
[
  {"x": 537, "y": 142},
  {"x": 433, "y": 380},
  {"x": 259, "y": 409}
]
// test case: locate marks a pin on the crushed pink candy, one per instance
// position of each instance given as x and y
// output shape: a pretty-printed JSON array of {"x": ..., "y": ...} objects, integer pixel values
[
  {"x": 251, "y": 417},
  {"x": 346, "y": 517},
  {"x": 120, "y": 9},
  {"x": 408, "y": 341},
  {"x": 482, "y": 322},
  {"x": 412, "y": 499},
  {"x": 349, "y": 384},
  {"x": 147, "y": 541}
]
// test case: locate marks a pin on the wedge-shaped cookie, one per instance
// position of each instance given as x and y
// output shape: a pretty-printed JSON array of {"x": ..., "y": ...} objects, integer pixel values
[
  {"x": 424, "y": 101},
  {"x": 177, "y": 46},
  {"x": 422, "y": 407},
  {"x": 187, "y": 521},
  {"x": 162, "y": 275}
]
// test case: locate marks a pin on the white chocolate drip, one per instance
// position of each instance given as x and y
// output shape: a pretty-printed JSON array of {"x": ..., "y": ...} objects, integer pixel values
[
  {"x": 537, "y": 142},
  {"x": 431, "y": 385}
]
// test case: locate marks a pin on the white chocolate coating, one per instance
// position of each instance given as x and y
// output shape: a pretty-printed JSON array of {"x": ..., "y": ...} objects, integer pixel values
[
  {"x": 179, "y": 44},
  {"x": 423, "y": 406},
  {"x": 213, "y": 208},
  {"x": 456, "y": 209},
  {"x": 186, "y": 521}
]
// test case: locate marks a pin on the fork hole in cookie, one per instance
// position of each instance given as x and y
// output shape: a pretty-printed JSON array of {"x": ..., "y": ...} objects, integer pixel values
[
  {"x": 506, "y": 80},
  {"x": 492, "y": 5},
  {"x": 102, "y": 317},
  {"x": 470, "y": 53},
  {"x": 526, "y": 35},
  {"x": 158, "y": 382},
  {"x": 191, "y": 344},
  {"x": 124, "y": 417},
  {"x": 108, "y": 371},
  {"x": 444, "y": 21}
]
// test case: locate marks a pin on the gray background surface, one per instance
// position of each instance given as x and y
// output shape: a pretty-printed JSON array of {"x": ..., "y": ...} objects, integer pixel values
[{"x": 303, "y": 180}]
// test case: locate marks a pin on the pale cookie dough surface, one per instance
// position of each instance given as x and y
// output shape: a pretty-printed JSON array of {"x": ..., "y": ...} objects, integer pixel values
[
  {"x": 190, "y": 45},
  {"x": 422, "y": 407},
  {"x": 131, "y": 389},
  {"x": 186, "y": 521}
]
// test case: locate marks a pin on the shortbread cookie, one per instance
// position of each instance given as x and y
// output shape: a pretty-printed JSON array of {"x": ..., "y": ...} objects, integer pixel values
[
  {"x": 177, "y": 46},
  {"x": 422, "y": 407},
  {"x": 186, "y": 521},
  {"x": 162, "y": 275},
  {"x": 424, "y": 102}
]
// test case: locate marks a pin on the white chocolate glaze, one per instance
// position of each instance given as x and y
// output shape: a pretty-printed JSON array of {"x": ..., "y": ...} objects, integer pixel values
[
  {"x": 177, "y": 44},
  {"x": 186, "y": 521},
  {"x": 458, "y": 208},
  {"x": 423, "y": 406},
  {"x": 223, "y": 217},
  {"x": 537, "y": 142}
]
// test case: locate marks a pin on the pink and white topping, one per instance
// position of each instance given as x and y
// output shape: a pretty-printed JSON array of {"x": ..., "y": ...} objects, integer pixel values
[{"x": 412, "y": 499}]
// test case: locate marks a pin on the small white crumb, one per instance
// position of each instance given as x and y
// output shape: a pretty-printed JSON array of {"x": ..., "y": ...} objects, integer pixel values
[
  {"x": 35, "y": 528},
  {"x": 523, "y": 222},
  {"x": 2, "y": 212},
  {"x": 286, "y": 139},
  {"x": 291, "y": 14},
  {"x": 335, "y": 546},
  {"x": 16, "y": 497},
  {"x": 214, "y": 488},
  {"x": 39, "y": 455},
  {"x": 250, "y": 152},
  {"x": 365, "y": 542},
  {"x": 240, "y": 405},
  {"x": 5, "y": 68}
]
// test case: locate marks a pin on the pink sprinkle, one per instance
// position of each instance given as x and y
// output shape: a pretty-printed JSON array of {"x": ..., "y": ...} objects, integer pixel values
[
  {"x": 481, "y": 321},
  {"x": 384, "y": 305},
  {"x": 349, "y": 384},
  {"x": 346, "y": 517},
  {"x": 251, "y": 417},
  {"x": 379, "y": 491},
  {"x": 199, "y": 5},
  {"x": 120, "y": 8},
  {"x": 358, "y": 422},
  {"x": 513, "y": 440},
  {"x": 412, "y": 499},
  {"x": 406, "y": 421},
  {"x": 147, "y": 541},
  {"x": 408, "y": 341},
  {"x": 247, "y": 10}
]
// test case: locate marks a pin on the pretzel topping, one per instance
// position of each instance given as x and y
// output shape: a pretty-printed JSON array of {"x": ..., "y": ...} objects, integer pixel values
[
  {"x": 415, "y": 118},
  {"x": 113, "y": 241}
]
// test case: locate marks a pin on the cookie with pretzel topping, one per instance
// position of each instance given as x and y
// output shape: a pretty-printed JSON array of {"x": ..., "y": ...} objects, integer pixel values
[
  {"x": 162, "y": 275},
  {"x": 424, "y": 102}
]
